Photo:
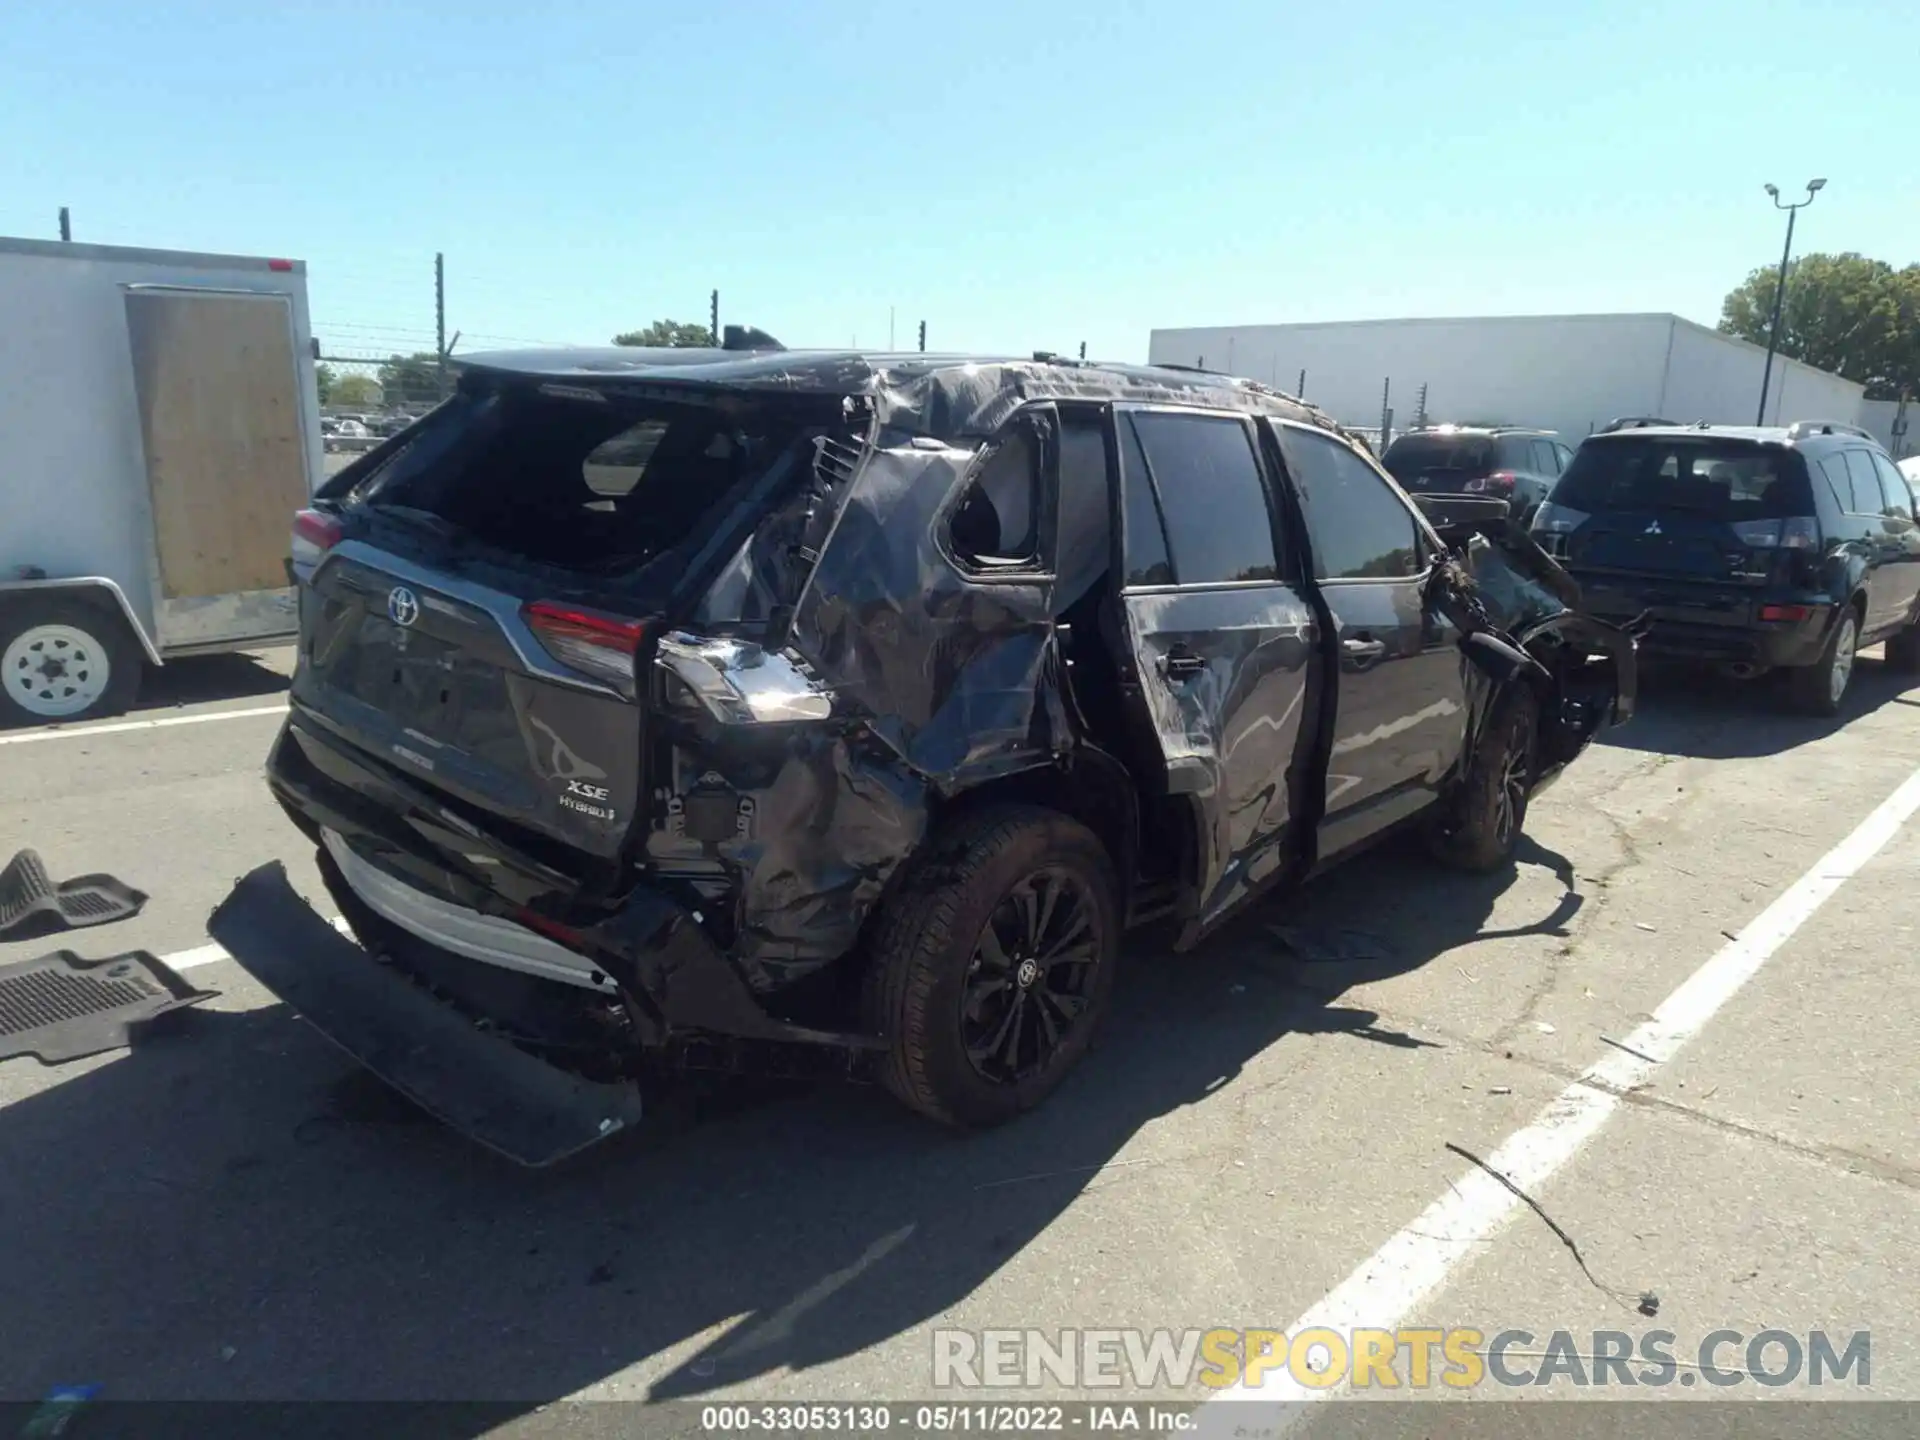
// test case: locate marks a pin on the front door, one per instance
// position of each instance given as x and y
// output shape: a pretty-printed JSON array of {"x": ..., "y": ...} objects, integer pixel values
[
  {"x": 1400, "y": 707},
  {"x": 1221, "y": 645}
]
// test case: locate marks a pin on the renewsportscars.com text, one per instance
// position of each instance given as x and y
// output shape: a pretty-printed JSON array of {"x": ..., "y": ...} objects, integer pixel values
[{"x": 1408, "y": 1358}]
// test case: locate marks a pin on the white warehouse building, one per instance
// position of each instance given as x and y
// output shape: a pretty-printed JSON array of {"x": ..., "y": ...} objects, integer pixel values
[{"x": 1569, "y": 373}]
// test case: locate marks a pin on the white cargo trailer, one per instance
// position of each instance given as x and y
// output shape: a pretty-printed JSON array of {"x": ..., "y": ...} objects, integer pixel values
[{"x": 159, "y": 425}]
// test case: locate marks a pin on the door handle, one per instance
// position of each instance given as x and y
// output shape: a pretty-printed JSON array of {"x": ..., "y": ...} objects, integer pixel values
[
  {"x": 1363, "y": 651},
  {"x": 1180, "y": 662}
]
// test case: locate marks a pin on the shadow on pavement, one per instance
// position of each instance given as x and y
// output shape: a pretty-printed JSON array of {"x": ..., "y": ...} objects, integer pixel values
[
  {"x": 232, "y": 1211},
  {"x": 198, "y": 679},
  {"x": 1706, "y": 716}
]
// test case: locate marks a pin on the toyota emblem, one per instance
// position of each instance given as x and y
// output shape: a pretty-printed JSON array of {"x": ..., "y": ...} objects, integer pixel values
[{"x": 403, "y": 606}]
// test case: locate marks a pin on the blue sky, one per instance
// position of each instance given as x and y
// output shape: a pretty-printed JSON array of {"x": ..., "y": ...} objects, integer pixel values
[{"x": 1022, "y": 175}]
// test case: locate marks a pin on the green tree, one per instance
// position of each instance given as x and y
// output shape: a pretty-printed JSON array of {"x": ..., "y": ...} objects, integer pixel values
[
  {"x": 668, "y": 335},
  {"x": 1853, "y": 316},
  {"x": 323, "y": 378},
  {"x": 410, "y": 379},
  {"x": 360, "y": 391}
]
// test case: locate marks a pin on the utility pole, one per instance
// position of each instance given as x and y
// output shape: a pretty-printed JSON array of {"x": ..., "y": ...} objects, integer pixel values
[
  {"x": 1301, "y": 389},
  {"x": 1420, "y": 412},
  {"x": 713, "y": 318},
  {"x": 1083, "y": 349},
  {"x": 923, "y": 337},
  {"x": 66, "y": 225},
  {"x": 1780, "y": 288},
  {"x": 1386, "y": 410},
  {"x": 440, "y": 317}
]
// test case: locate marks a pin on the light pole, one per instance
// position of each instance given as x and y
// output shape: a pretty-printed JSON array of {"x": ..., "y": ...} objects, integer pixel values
[{"x": 1780, "y": 288}]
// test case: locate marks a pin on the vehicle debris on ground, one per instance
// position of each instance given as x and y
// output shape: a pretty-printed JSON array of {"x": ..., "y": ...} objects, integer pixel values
[
  {"x": 60, "y": 1007},
  {"x": 31, "y": 904}
]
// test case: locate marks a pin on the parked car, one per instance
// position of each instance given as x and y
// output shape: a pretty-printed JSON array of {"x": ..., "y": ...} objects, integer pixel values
[
  {"x": 1514, "y": 464},
  {"x": 645, "y": 703},
  {"x": 1759, "y": 548}
]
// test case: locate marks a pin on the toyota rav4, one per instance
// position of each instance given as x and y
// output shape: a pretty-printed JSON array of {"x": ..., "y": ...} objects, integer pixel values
[{"x": 662, "y": 703}]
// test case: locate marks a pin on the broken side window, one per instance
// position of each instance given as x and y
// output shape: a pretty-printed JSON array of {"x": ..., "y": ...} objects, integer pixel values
[{"x": 996, "y": 523}]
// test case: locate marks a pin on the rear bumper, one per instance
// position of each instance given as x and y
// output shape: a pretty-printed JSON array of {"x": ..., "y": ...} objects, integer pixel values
[
  {"x": 475, "y": 1082},
  {"x": 657, "y": 951},
  {"x": 1762, "y": 644},
  {"x": 1677, "y": 629}
]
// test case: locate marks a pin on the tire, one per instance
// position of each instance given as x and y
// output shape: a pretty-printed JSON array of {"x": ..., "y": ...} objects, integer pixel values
[
  {"x": 1903, "y": 650},
  {"x": 1821, "y": 688},
  {"x": 1482, "y": 827},
  {"x": 957, "y": 1051},
  {"x": 63, "y": 660}
]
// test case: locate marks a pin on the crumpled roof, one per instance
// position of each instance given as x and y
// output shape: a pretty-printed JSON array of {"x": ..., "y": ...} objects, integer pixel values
[{"x": 948, "y": 397}]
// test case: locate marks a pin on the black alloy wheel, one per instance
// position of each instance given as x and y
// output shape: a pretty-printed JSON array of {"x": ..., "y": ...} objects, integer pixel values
[{"x": 1031, "y": 976}]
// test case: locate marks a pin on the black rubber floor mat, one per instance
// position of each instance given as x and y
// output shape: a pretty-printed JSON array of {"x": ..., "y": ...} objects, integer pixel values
[
  {"x": 60, "y": 1007},
  {"x": 31, "y": 904}
]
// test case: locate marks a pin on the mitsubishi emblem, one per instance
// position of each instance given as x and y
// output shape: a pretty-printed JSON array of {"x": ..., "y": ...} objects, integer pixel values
[{"x": 1653, "y": 528}]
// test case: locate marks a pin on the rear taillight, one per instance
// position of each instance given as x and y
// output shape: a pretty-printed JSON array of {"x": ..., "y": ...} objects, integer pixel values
[
  {"x": 1555, "y": 519},
  {"x": 314, "y": 533},
  {"x": 562, "y": 934},
  {"x": 1500, "y": 482},
  {"x": 1797, "y": 532},
  {"x": 1785, "y": 612},
  {"x": 590, "y": 641}
]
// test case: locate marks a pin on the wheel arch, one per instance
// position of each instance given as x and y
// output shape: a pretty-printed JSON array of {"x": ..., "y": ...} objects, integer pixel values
[
  {"x": 98, "y": 591},
  {"x": 1093, "y": 788}
]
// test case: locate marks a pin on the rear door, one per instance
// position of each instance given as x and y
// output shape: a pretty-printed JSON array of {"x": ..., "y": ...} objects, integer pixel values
[
  {"x": 1400, "y": 707},
  {"x": 1900, "y": 568},
  {"x": 1222, "y": 642}
]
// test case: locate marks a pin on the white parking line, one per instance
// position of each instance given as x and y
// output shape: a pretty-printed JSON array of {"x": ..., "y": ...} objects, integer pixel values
[
  {"x": 211, "y": 954},
  {"x": 80, "y": 732},
  {"x": 1402, "y": 1273}
]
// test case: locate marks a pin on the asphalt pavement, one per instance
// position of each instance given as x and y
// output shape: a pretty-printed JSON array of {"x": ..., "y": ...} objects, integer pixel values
[{"x": 232, "y": 1211}]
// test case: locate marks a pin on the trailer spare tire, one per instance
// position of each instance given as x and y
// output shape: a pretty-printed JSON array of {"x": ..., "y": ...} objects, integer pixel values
[{"x": 63, "y": 659}]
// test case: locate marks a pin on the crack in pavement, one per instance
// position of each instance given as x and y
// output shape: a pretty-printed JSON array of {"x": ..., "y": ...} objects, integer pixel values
[{"x": 1841, "y": 1157}]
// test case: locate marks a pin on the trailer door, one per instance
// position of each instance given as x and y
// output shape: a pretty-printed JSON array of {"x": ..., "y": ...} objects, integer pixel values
[{"x": 218, "y": 385}]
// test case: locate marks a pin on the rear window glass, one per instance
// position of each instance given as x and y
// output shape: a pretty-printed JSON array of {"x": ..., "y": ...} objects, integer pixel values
[
  {"x": 584, "y": 483},
  {"x": 1466, "y": 456},
  {"x": 615, "y": 466},
  {"x": 1719, "y": 479}
]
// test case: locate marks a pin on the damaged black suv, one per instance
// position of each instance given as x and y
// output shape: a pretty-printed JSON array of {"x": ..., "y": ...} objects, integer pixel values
[{"x": 660, "y": 702}]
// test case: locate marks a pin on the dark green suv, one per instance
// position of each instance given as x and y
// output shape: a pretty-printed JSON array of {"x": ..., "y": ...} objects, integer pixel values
[{"x": 1757, "y": 548}]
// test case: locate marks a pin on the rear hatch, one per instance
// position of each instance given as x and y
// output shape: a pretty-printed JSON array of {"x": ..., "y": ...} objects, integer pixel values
[
  {"x": 1442, "y": 464},
  {"x": 481, "y": 601},
  {"x": 1692, "y": 527}
]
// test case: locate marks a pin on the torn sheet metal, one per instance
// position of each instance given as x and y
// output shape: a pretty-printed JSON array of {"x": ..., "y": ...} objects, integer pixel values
[
  {"x": 955, "y": 675},
  {"x": 790, "y": 837}
]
